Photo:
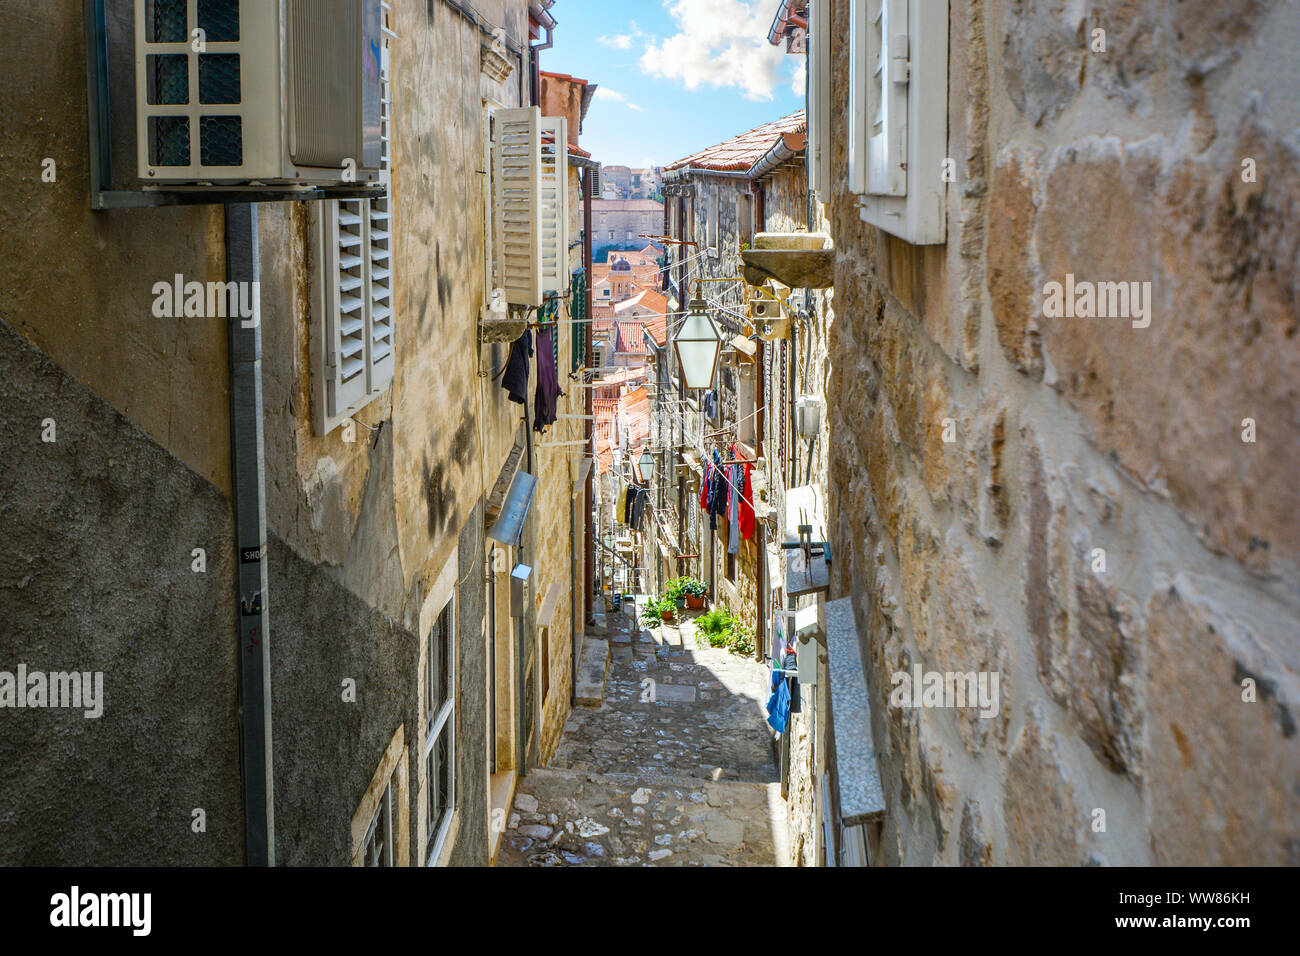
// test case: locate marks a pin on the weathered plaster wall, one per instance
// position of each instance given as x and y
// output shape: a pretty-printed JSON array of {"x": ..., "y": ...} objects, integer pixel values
[
  {"x": 78, "y": 284},
  {"x": 97, "y": 575},
  {"x": 1120, "y": 690}
]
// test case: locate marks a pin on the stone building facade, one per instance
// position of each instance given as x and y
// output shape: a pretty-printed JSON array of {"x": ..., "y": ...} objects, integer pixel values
[
  {"x": 382, "y": 575},
  {"x": 1099, "y": 510}
]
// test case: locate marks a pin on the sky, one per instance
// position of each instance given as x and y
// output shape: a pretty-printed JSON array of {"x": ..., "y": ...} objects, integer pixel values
[{"x": 674, "y": 76}]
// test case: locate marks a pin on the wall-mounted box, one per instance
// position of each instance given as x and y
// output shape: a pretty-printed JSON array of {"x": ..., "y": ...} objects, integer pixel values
[{"x": 251, "y": 92}]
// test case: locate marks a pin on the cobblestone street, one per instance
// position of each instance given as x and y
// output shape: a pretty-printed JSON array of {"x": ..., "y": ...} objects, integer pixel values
[{"x": 673, "y": 769}]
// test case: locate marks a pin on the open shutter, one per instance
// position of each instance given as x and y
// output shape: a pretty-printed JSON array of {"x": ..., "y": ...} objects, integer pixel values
[
  {"x": 817, "y": 157},
  {"x": 879, "y": 75},
  {"x": 553, "y": 215},
  {"x": 517, "y": 176},
  {"x": 381, "y": 342},
  {"x": 343, "y": 239}
]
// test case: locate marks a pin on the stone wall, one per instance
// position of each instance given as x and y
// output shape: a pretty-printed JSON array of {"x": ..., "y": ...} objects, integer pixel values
[{"x": 1069, "y": 502}]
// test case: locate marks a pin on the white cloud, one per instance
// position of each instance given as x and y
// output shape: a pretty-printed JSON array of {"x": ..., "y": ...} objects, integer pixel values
[
  {"x": 623, "y": 41},
  {"x": 798, "y": 78},
  {"x": 719, "y": 43},
  {"x": 605, "y": 93}
]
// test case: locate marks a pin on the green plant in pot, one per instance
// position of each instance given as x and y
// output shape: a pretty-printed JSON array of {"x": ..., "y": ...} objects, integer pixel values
[
  {"x": 694, "y": 591},
  {"x": 675, "y": 591},
  {"x": 651, "y": 615}
]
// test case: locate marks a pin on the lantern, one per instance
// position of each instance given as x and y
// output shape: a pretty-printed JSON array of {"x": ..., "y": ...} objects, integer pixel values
[{"x": 698, "y": 343}]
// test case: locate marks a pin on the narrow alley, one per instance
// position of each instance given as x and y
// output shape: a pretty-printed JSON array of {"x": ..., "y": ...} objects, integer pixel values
[{"x": 673, "y": 768}]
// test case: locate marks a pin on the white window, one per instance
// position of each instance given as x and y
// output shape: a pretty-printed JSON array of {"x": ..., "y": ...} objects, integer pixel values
[
  {"x": 355, "y": 350},
  {"x": 440, "y": 729},
  {"x": 711, "y": 222},
  {"x": 378, "y": 846},
  {"x": 530, "y": 183},
  {"x": 818, "y": 85},
  {"x": 898, "y": 115}
]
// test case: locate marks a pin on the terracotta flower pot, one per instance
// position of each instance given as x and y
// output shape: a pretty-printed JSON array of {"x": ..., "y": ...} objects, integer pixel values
[
  {"x": 695, "y": 603},
  {"x": 666, "y": 614}
]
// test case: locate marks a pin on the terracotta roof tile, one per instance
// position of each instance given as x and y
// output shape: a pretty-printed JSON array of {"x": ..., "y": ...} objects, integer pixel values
[{"x": 743, "y": 151}]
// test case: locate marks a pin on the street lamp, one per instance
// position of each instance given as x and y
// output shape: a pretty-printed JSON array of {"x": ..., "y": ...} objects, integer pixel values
[
  {"x": 698, "y": 342},
  {"x": 647, "y": 465}
]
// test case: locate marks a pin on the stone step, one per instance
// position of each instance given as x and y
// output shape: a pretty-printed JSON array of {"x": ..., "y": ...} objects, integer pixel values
[{"x": 593, "y": 664}]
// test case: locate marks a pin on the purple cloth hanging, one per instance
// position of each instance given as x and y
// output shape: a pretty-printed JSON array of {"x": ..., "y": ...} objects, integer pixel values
[{"x": 548, "y": 382}]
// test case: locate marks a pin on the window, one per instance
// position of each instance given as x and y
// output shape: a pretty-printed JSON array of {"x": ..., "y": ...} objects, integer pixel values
[
  {"x": 730, "y": 569},
  {"x": 530, "y": 202},
  {"x": 440, "y": 728},
  {"x": 629, "y": 233},
  {"x": 898, "y": 115},
  {"x": 711, "y": 224},
  {"x": 355, "y": 358},
  {"x": 611, "y": 234},
  {"x": 745, "y": 218},
  {"x": 379, "y": 836}
]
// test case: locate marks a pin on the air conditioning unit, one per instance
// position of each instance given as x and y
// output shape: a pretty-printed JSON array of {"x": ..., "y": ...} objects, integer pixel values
[
  {"x": 258, "y": 93},
  {"x": 808, "y": 416}
]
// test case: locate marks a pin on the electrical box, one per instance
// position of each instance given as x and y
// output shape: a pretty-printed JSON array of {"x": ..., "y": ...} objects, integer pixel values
[
  {"x": 760, "y": 309},
  {"x": 519, "y": 578},
  {"x": 256, "y": 93},
  {"x": 807, "y": 636},
  {"x": 808, "y": 416}
]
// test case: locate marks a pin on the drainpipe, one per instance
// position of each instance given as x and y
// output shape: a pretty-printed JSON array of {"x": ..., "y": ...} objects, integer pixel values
[
  {"x": 587, "y": 359},
  {"x": 248, "y": 494}
]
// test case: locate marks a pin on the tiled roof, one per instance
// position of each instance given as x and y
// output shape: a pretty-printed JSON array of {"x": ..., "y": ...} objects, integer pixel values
[
  {"x": 743, "y": 151},
  {"x": 629, "y": 338}
]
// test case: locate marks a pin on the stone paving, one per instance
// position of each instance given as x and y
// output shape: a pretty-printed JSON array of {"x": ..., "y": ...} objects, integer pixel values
[{"x": 673, "y": 769}]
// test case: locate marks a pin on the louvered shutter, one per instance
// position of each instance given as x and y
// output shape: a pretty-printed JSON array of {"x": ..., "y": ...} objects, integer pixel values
[
  {"x": 517, "y": 175},
  {"x": 553, "y": 211},
  {"x": 357, "y": 299},
  {"x": 817, "y": 156},
  {"x": 381, "y": 343},
  {"x": 879, "y": 75},
  {"x": 345, "y": 263}
]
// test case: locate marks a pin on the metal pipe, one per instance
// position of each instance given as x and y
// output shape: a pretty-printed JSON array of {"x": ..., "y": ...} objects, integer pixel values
[
  {"x": 248, "y": 495},
  {"x": 588, "y": 184}
]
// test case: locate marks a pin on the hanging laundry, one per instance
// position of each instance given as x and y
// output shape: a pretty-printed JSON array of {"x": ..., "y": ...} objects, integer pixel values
[
  {"x": 515, "y": 379},
  {"x": 778, "y": 705},
  {"x": 548, "y": 382},
  {"x": 790, "y": 662},
  {"x": 639, "y": 506},
  {"x": 735, "y": 479},
  {"x": 627, "y": 505},
  {"x": 717, "y": 492},
  {"x": 746, "y": 501},
  {"x": 620, "y": 506}
]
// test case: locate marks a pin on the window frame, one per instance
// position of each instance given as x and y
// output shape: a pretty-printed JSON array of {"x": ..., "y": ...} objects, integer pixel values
[
  {"x": 435, "y": 724},
  {"x": 920, "y": 216},
  {"x": 332, "y": 404}
]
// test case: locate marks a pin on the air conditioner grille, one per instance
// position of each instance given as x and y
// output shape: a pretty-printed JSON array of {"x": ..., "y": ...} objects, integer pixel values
[
  {"x": 169, "y": 79},
  {"x": 219, "y": 20},
  {"x": 329, "y": 98},
  {"x": 166, "y": 21},
  {"x": 218, "y": 78},
  {"x": 221, "y": 141},
  {"x": 169, "y": 140}
]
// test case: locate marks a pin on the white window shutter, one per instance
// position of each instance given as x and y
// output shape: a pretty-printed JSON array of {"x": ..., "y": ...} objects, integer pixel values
[
  {"x": 517, "y": 175},
  {"x": 344, "y": 288},
  {"x": 900, "y": 126},
  {"x": 381, "y": 361},
  {"x": 879, "y": 76},
  {"x": 818, "y": 86},
  {"x": 553, "y": 210},
  {"x": 887, "y": 129}
]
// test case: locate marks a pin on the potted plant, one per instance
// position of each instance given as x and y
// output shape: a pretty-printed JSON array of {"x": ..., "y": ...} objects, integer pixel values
[
  {"x": 656, "y": 613},
  {"x": 694, "y": 591},
  {"x": 675, "y": 591},
  {"x": 666, "y": 610}
]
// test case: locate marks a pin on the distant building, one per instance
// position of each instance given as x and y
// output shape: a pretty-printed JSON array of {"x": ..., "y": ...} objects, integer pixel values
[{"x": 623, "y": 223}]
